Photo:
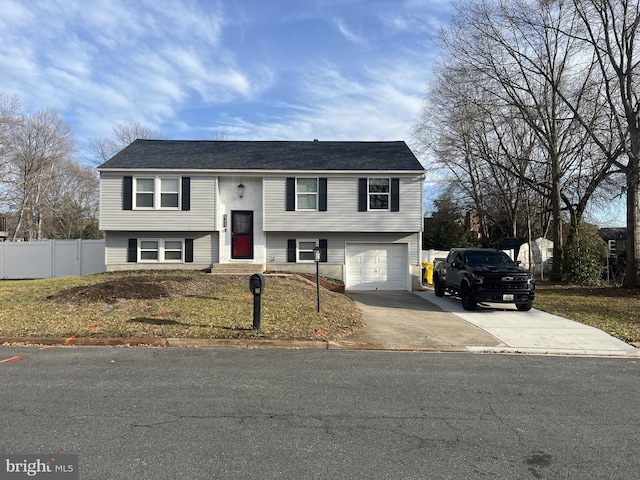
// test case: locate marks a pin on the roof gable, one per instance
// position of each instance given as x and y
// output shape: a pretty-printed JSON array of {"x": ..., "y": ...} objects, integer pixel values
[{"x": 264, "y": 155}]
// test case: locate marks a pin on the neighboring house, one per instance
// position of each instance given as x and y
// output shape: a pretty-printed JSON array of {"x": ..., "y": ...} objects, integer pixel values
[
  {"x": 616, "y": 239},
  {"x": 267, "y": 204},
  {"x": 538, "y": 258}
]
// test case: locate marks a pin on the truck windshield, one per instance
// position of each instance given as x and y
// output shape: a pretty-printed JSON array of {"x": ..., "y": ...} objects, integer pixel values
[{"x": 488, "y": 258}]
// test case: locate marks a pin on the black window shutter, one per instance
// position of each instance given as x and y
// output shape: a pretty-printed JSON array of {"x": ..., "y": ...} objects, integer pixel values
[
  {"x": 188, "y": 250},
  {"x": 322, "y": 198},
  {"x": 323, "y": 249},
  {"x": 363, "y": 194},
  {"x": 291, "y": 194},
  {"x": 127, "y": 193},
  {"x": 132, "y": 250},
  {"x": 395, "y": 194},
  {"x": 291, "y": 250},
  {"x": 186, "y": 193}
]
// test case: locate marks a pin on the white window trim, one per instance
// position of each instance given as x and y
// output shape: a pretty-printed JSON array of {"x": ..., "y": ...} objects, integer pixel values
[
  {"x": 316, "y": 243},
  {"x": 316, "y": 194},
  {"x": 161, "y": 250},
  {"x": 370, "y": 193},
  {"x": 157, "y": 192}
]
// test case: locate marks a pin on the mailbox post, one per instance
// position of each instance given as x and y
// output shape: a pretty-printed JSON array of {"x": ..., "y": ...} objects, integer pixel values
[{"x": 256, "y": 285}]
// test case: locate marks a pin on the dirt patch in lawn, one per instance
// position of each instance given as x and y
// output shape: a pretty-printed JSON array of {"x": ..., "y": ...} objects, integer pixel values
[{"x": 134, "y": 287}]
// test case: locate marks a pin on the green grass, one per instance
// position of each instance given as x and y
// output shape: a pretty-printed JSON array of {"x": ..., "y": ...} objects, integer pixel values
[
  {"x": 165, "y": 305},
  {"x": 613, "y": 310}
]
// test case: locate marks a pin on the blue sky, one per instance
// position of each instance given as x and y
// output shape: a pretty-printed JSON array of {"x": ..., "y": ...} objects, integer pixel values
[
  {"x": 232, "y": 69},
  {"x": 228, "y": 69}
]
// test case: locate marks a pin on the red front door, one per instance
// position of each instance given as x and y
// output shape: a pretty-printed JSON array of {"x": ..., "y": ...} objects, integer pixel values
[{"x": 242, "y": 234}]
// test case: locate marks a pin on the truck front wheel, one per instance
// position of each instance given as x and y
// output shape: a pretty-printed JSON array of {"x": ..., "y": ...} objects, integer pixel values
[
  {"x": 437, "y": 285},
  {"x": 468, "y": 301},
  {"x": 524, "y": 307}
]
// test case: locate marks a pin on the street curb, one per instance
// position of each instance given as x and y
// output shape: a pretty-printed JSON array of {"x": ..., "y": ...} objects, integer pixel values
[
  {"x": 251, "y": 344},
  {"x": 168, "y": 342},
  {"x": 246, "y": 343},
  {"x": 556, "y": 351},
  {"x": 85, "y": 341},
  {"x": 338, "y": 345},
  {"x": 255, "y": 344}
]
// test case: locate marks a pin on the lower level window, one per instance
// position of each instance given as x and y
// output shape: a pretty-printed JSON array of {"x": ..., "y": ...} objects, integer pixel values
[
  {"x": 149, "y": 250},
  {"x": 305, "y": 250},
  {"x": 161, "y": 250},
  {"x": 173, "y": 250}
]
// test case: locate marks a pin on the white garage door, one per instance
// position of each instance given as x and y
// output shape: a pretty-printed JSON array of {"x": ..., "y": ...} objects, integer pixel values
[{"x": 377, "y": 266}]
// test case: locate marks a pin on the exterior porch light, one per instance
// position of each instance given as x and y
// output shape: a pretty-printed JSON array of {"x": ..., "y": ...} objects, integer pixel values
[{"x": 240, "y": 190}]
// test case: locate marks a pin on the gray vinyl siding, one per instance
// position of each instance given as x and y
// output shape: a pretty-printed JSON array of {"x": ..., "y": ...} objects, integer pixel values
[
  {"x": 205, "y": 246},
  {"x": 342, "y": 213},
  {"x": 201, "y": 217},
  {"x": 336, "y": 243}
]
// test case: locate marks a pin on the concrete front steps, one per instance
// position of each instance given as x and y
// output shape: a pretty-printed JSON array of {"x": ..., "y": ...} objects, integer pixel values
[{"x": 237, "y": 268}]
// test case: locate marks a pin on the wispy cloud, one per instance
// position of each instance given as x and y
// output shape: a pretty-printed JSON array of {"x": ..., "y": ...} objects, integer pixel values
[
  {"x": 347, "y": 32},
  {"x": 145, "y": 60},
  {"x": 202, "y": 68},
  {"x": 333, "y": 105}
]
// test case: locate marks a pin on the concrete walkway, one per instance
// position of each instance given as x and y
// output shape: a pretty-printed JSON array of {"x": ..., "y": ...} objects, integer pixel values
[{"x": 422, "y": 321}]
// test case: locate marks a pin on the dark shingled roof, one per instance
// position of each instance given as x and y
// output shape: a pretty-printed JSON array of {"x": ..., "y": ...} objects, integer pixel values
[{"x": 264, "y": 155}]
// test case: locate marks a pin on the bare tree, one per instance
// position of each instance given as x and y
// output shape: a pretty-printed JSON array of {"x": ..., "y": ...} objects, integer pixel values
[
  {"x": 73, "y": 201},
  {"x": 528, "y": 67},
  {"x": 123, "y": 134},
  {"x": 9, "y": 119},
  {"x": 610, "y": 28},
  {"x": 486, "y": 147},
  {"x": 40, "y": 142}
]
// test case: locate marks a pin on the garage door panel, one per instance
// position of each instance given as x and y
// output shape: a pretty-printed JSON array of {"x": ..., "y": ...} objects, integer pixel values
[{"x": 377, "y": 267}]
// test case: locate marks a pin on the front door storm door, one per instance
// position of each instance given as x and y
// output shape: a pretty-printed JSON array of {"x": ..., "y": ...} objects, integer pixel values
[{"x": 241, "y": 234}]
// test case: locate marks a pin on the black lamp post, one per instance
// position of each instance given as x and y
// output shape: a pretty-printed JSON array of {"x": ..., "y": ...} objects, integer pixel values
[{"x": 316, "y": 253}]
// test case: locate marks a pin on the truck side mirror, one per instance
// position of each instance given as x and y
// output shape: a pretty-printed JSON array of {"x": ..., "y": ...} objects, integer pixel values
[{"x": 256, "y": 284}]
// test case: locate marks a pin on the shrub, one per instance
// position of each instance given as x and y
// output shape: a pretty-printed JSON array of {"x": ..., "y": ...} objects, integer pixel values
[{"x": 583, "y": 256}]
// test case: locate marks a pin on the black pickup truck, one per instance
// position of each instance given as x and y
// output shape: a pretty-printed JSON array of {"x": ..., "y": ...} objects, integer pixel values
[{"x": 484, "y": 275}]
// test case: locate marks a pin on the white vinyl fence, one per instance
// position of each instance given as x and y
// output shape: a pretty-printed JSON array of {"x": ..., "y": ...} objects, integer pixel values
[{"x": 51, "y": 258}]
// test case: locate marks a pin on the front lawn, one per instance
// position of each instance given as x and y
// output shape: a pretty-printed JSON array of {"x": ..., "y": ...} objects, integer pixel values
[
  {"x": 613, "y": 310},
  {"x": 171, "y": 304}
]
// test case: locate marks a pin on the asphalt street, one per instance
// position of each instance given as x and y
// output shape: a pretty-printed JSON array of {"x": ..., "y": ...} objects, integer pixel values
[{"x": 167, "y": 413}]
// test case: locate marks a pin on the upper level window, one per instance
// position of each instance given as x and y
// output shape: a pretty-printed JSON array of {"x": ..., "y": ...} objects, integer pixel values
[
  {"x": 307, "y": 193},
  {"x": 168, "y": 193},
  {"x": 145, "y": 192},
  {"x": 379, "y": 193}
]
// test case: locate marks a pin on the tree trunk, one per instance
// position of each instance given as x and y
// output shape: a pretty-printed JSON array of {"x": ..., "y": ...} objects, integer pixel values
[
  {"x": 633, "y": 227},
  {"x": 556, "y": 212}
]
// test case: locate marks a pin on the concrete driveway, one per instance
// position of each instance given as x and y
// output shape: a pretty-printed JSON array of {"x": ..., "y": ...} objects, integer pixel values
[
  {"x": 405, "y": 321},
  {"x": 422, "y": 321}
]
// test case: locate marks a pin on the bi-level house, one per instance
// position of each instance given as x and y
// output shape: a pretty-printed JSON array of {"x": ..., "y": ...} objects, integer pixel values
[{"x": 205, "y": 204}]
